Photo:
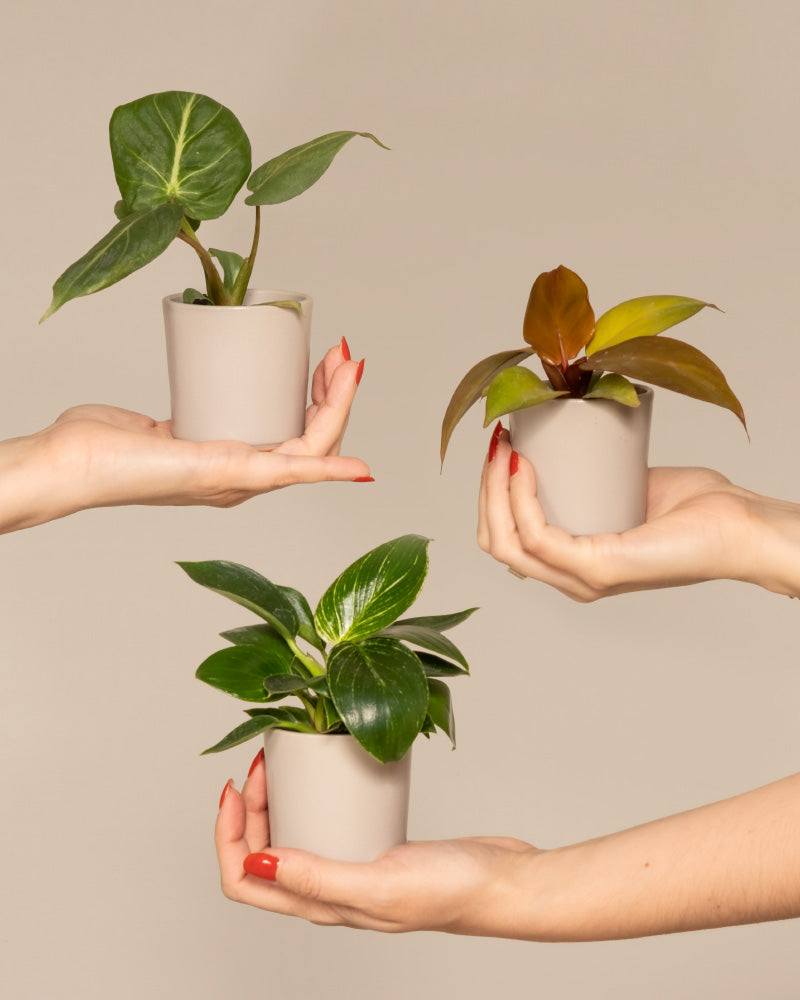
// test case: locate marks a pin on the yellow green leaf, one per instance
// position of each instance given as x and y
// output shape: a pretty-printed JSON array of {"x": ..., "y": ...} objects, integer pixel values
[
  {"x": 615, "y": 387},
  {"x": 642, "y": 317},
  {"x": 515, "y": 389}
]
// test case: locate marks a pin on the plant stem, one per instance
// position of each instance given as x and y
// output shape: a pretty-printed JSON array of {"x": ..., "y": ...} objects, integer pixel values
[
  {"x": 214, "y": 286},
  {"x": 243, "y": 277},
  {"x": 313, "y": 667}
]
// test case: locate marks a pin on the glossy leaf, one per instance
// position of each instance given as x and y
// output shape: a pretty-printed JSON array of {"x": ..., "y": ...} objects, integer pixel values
[
  {"x": 615, "y": 387},
  {"x": 559, "y": 320},
  {"x": 435, "y": 666},
  {"x": 247, "y": 588},
  {"x": 440, "y": 622},
  {"x": 241, "y": 670},
  {"x": 305, "y": 617},
  {"x": 231, "y": 266},
  {"x": 181, "y": 148},
  {"x": 440, "y": 709},
  {"x": 276, "y": 718},
  {"x": 427, "y": 638},
  {"x": 669, "y": 364},
  {"x": 374, "y": 590},
  {"x": 642, "y": 317},
  {"x": 293, "y": 172},
  {"x": 381, "y": 693},
  {"x": 516, "y": 389},
  {"x": 471, "y": 387},
  {"x": 290, "y": 683},
  {"x": 135, "y": 240}
]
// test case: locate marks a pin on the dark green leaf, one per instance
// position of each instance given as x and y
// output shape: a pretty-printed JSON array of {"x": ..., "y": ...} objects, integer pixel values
[
  {"x": 670, "y": 364},
  {"x": 231, "y": 266},
  {"x": 305, "y": 618},
  {"x": 121, "y": 210},
  {"x": 516, "y": 389},
  {"x": 381, "y": 693},
  {"x": 283, "y": 684},
  {"x": 136, "y": 240},
  {"x": 293, "y": 172},
  {"x": 643, "y": 317},
  {"x": 440, "y": 622},
  {"x": 435, "y": 666},
  {"x": 192, "y": 297},
  {"x": 559, "y": 321},
  {"x": 181, "y": 148},
  {"x": 427, "y": 638},
  {"x": 276, "y": 718},
  {"x": 470, "y": 389},
  {"x": 615, "y": 387},
  {"x": 440, "y": 709},
  {"x": 374, "y": 590},
  {"x": 241, "y": 670}
]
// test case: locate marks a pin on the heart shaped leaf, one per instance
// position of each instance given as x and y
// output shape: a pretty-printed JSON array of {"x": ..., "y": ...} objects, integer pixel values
[
  {"x": 440, "y": 709},
  {"x": 559, "y": 320},
  {"x": 615, "y": 387},
  {"x": 642, "y": 317},
  {"x": 242, "y": 670},
  {"x": 515, "y": 389}
]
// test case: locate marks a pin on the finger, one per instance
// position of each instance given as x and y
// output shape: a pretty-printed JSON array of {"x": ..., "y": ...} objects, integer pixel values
[
  {"x": 229, "y": 839},
  {"x": 334, "y": 357},
  {"x": 274, "y": 471},
  {"x": 483, "y": 526},
  {"x": 327, "y": 423},
  {"x": 254, "y": 794}
]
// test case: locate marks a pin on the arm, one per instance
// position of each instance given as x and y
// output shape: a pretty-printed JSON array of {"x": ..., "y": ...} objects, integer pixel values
[
  {"x": 101, "y": 456},
  {"x": 737, "y": 861},
  {"x": 699, "y": 527}
]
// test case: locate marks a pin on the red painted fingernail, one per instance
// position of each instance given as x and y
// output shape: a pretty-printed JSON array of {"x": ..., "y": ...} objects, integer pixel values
[
  {"x": 364, "y": 479},
  {"x": 359, "y": 371},
  {"x": 495, "y": 438},
  {"x": 256, "y": 761},
  {"x": 225, "y": 791},
  {"x": 262, "y": 866},
  {"x": 344, "y": 349},
  {"x": 513, "y": 464}
]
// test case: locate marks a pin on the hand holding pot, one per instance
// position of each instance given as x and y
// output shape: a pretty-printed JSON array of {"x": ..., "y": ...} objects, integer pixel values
[
  {"x": 101, "y": 456},
  {"x": 699, "y": 526}
]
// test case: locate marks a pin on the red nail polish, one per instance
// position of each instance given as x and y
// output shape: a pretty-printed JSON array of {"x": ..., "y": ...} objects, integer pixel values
[
  {"x": 359, "y": 371},
  {"x": 225, "y": 791},
  {"x": 513, "y": 464},
  {"x": 344, "y": 349},
  {"x": 256, "y": 761},
  {"x": 262, "y": 866},
  {"x": 495, "y": 438},
  {"x": 364, "y": 479}
]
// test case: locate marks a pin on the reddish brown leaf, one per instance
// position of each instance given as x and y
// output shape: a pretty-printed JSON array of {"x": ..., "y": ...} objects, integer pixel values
[{"x": 559, "y": 320}]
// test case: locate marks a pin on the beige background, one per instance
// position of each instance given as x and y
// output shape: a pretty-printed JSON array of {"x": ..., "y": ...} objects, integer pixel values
[{"x": 651, "y": 147}]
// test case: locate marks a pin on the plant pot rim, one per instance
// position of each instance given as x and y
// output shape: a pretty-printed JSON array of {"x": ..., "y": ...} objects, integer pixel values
[{"x": 272, "y": 295}]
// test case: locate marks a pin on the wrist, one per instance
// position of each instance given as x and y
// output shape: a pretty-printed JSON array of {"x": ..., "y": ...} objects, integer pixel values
[{"x": 773, "y": 545}]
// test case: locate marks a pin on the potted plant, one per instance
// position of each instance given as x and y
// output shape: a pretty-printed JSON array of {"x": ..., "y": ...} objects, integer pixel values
[
  {"x": 338, "y": 762},
  {"x": 585, "y": 428},
  {"x": 180, "y": 159}
]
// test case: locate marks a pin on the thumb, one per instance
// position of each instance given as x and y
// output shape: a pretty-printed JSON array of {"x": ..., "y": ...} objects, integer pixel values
[{"x": 315, "y": 878}]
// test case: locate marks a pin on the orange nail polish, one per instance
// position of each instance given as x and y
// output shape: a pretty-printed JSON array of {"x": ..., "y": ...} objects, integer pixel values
[
  {"x": 344, "y": 349},
  {"x": 359, "y": 371},
  {"x": 513, "y": 464},
  {"x": 225, "y": 791},
  {"x": 262, "y": 866},
  {"x": 364, "y": 479},
  {"x": 256, "y": 761},
  {"x": 495, "y": 438}
]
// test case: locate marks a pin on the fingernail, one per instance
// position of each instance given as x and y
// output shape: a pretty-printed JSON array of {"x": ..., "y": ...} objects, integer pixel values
[
  {"x": 364, "y": 479},
  {"x": 256, "y": 761},
  {"x": 359, "y": 371},
  {"x": 344, "y": 349},
  {"x": 513, "y": 464},
  {"x": 225, "y": 791},
  {"x": 262, "y": 866},
  {"x": 495, "y": 438}
]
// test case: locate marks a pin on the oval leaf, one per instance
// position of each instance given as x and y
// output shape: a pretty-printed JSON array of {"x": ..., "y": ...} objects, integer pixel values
[
  {"x": 427, "y": 638},
  {"x": 178, "y": 147},
  {"x": 293, "y": 172},
  {"x": 305, "y": 618},
  {"x": 241, "y": 670},
  {"x": 381, "y": 693},
  {"x": 440, "y": 709},
  {"x": 440, "y": 622},
  {"x": 646, "y": 316},
  {"x": 670, "y": 364},
  {"x": 471, "y": 388},
  {"x": 559, "y": 321},
  {"x": 615, "y": 387},
  {"x": 374, "y": 590},
  {"x": 231, "y": 266},
  {"x": 515, "y": 389},
  {"x": 136, "y": 240}
]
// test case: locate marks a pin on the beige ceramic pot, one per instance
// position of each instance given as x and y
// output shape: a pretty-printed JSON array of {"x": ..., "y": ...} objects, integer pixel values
[
  {"x": 329, "y": 796},
  {"x": 590, "y": 457},
  {"x": 238, "y": 372}
]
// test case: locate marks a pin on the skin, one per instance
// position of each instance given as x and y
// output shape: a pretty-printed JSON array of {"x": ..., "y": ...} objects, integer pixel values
[{"x": 102, "y": 456}]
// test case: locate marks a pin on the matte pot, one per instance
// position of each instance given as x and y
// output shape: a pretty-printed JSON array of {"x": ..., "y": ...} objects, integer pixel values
[
  {"x": 329, "y": 796},
  {"x": 590, "y": 457},
  {"x": 239, "y": 372}
]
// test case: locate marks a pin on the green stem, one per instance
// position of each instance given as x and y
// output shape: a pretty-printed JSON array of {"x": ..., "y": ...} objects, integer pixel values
[
  {"x": 214, "y": 286},
  {"x": 313, "y": 667},
  {"x": 243, "y": 277}
]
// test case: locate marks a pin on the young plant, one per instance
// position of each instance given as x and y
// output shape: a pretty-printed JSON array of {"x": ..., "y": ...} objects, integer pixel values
[
  {"x": 622, "y": 344},
  {"x": 350, "y": 664},
  {"x": 180, "y": 159}
]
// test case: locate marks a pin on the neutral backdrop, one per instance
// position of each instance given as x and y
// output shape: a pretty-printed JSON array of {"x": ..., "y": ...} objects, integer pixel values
[{"x": 652, "y": 147}]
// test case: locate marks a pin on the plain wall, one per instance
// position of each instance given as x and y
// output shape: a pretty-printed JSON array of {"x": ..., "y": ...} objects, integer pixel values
[{"x": 651, "y": 147}]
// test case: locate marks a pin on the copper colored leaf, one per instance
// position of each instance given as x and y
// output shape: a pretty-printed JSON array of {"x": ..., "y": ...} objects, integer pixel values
[
  {"x": 559, "y": 320},
  {"x": 515, "y": 389},
  {"x": 670, "y": 364},
  {"x": 642, "y": 317}
]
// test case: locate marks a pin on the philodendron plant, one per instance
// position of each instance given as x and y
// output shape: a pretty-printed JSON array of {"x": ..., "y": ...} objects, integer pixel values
[
  {"x": 621, "y": 345},
  {"x": 180, "y": 159},
  {"x": 350, "y": 664}
]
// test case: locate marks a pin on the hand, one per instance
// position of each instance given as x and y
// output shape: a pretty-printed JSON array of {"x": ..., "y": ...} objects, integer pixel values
[
  {"x": 96, "y": 456},
  {"x": 699, "y": 526},
  {"x": 447, "y": 885}
]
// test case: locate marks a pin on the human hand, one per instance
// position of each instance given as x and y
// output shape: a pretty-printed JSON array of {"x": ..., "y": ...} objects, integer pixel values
[
  {"x": 699, "y": 526},
  {"x": 461, "y": 886}
]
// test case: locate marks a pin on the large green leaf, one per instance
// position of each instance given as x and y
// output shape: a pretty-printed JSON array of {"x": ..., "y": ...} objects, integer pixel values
[
  {"x": 516, "y": 389},
  {"x": 274, "y": 718},
  {"x": 135, "y": 240},
  {"x": 248, "y": 588},
  {"x": 241, "y": 670},
  {"x": 381, "y": 693},
  {"x": 440, "y": 622},
  {"x": 293, "y": 172},
  {"x": 427, "y": 638},
  {"x": 471, "y": 387},
  {"x": 559, "y": 320},
  {"x": 181, "y": 148},
  {"x": 643, "y": 317},
  {"x": 440, "y": 709},
  {"x": 670, "y": 364},
  {"x": 374, "y": 590}
]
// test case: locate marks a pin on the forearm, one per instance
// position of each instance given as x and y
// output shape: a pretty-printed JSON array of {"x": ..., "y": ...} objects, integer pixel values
[
  {"x": 29, "y": 488},
  {"x": 734, "y": 862}
]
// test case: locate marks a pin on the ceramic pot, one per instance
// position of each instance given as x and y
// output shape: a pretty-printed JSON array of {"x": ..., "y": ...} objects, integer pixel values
[
  {"x": 590, "y": 457},
  {"x": 238, "y": 372},
  {"x": 329, "y": 796}
]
